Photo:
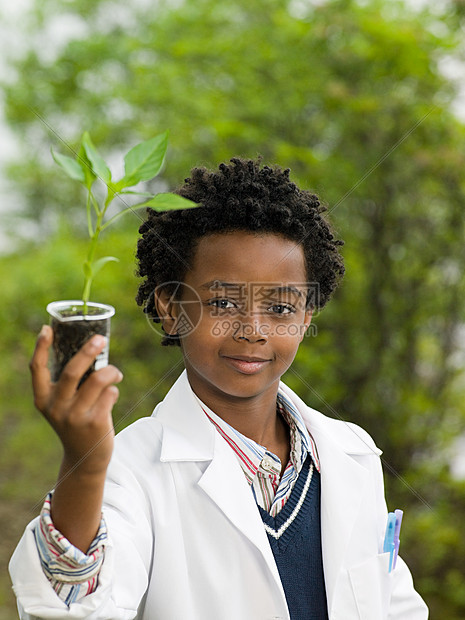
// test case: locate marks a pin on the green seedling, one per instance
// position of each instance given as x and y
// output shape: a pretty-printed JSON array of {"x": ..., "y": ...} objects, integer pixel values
[{"x": 142, "y": 163}]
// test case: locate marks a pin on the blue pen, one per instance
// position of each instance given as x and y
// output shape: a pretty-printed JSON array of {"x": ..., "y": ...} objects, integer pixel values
[
  {"x": 389, "y": 546},
  {"x": 399, "y": 514}
]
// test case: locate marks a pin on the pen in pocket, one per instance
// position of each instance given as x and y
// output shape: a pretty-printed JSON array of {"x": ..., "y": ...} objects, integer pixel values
[
  {"x": 399, "y": 514},
  {"x": 392, "y": 537}
]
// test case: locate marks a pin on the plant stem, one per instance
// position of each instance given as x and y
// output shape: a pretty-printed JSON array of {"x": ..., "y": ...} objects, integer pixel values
[
  {"x": 88, "y": 275},
  {"x": 89, "y": 216}
]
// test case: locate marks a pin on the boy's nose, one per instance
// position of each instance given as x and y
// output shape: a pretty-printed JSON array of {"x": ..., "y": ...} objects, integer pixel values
[{"x": 252, "y": 331}]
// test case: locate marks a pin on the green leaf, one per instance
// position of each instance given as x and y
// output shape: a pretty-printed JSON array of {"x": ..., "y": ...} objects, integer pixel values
[
  {"x": 160, "y": 202},
  {"x": 128, "y": 191},
  {"x": 101, "y": 262},
  {"x": 144, "y": 161},
  {"x": 99, "y": 167},
  {"x": 169, "y": 202},
  {"x": 72, "y": 168},
  {"x": 87, "y": 167}
]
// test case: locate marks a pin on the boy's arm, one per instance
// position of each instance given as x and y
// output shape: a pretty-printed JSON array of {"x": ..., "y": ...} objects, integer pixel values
[{"x": 82, "y": 420}]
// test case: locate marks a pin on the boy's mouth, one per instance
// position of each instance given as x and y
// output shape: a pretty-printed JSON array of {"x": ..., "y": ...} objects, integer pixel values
[{"x": 245, "y": 364}]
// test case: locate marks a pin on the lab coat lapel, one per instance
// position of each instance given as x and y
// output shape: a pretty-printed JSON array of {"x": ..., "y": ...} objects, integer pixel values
[{"x": 225, "y": 483}]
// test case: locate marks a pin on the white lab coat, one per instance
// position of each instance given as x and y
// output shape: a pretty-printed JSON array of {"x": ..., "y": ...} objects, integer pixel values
[{"x": 187, "y": 541}]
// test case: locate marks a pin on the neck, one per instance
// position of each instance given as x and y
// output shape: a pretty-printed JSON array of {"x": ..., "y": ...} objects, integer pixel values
[{"x": 255, "y": 416}]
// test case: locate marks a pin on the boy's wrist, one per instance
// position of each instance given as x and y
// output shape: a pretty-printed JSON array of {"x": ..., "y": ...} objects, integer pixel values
[{"x": 85, "y": 468}]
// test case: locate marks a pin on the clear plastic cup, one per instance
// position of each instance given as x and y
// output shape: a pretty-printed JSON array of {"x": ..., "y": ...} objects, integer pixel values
[{"x": 72, "y": 328}]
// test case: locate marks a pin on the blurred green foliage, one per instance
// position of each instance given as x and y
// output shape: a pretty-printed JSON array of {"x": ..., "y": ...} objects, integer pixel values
[{"x": 352, "y": 97}]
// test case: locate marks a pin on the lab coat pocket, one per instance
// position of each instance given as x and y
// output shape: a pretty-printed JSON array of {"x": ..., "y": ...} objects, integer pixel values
[{"x": 372, "y": 585}]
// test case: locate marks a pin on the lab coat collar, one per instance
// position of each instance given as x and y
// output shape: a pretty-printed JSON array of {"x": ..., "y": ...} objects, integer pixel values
[
  {"x": 188, "y": 435},
  {"x": 349, "y": 437}
]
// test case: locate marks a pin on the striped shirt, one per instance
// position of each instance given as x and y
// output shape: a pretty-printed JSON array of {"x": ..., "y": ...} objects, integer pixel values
[
  {"x": 74, "y": 574},
  {"x": 261, "y": 467}
]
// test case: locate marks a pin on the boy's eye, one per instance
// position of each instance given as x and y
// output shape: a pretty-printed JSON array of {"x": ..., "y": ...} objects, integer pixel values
[
  {"x": 281, "y": 309},
  {"x": 222, "y": 303}
]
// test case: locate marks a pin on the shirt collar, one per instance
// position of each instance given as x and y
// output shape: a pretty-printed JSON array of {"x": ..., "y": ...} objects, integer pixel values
[
  {"x": 251, "y": 454},
  {"x": 301, "y": 434}
]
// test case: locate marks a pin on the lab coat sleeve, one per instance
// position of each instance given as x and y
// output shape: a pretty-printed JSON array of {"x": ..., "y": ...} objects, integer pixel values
[{"x": 124, "y": 573}]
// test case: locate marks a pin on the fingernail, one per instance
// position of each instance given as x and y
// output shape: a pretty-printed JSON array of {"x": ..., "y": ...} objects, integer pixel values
[
  {"x": 43, "y": 331},
  {"x": 97, "y": 342}
]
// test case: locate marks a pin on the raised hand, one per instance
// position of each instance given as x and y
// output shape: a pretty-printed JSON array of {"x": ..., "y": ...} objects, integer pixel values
[{"x": 82, "y": 420}]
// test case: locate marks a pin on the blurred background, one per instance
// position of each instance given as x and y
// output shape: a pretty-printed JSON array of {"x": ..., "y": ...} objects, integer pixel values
[{"x": 364, "y": 101}]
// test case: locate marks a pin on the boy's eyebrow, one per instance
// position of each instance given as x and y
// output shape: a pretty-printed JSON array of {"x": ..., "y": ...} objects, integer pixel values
[
  {"x": 214, "y": 284},
  {"x": 218, "y": 284},
  {"x": 287, "y": 289}
]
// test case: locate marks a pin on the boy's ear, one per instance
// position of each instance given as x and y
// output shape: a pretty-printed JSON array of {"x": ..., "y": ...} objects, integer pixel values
[
  {"x": 307, "y": 320},
  {"x": 166, "y": 310}
]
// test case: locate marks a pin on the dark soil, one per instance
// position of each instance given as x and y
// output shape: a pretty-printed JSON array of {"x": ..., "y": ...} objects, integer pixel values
[{"x": 69, "y": 338}]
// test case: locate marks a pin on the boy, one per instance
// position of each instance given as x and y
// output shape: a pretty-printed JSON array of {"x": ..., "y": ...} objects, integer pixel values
[{"x": 234, "y": 500}]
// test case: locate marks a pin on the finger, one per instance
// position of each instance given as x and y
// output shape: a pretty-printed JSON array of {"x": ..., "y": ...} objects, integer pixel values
[
  {"x": 99, "y": 423},
  {"x": 74, "y": 370},
  {"x": 105, "y": 402},
  {"x": 40, "y": 373},
  {"x": 102, "y": 410},
  {"x": 94, "y": 387},
  {"x": 101, "y": 414}
]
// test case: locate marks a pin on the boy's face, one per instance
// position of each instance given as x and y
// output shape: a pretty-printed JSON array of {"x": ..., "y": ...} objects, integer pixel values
[{"x": 244, "y": 301}]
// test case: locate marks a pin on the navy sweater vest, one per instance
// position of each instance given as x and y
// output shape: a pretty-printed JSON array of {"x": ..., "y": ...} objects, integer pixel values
[{"x": 295, "y": 539}]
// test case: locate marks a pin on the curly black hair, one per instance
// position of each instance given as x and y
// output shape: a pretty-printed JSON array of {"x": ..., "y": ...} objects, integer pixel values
[{"x": 242, "y": 196}]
